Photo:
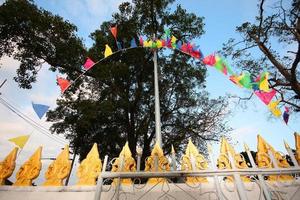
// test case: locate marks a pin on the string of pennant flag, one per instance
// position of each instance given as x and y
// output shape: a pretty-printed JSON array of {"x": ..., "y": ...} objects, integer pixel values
[{"x": 258, "y": 85}]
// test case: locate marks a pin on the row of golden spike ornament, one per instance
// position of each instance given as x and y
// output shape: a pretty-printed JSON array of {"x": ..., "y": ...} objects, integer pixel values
[{"x": 91, "y": 166}]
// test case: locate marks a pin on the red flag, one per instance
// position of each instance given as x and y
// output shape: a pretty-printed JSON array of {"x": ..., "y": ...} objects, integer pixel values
[
  {"x": 266, "y": 97},
  {"x": 114, "y": 31},
  {"x": 141, "y": 41},
  {"x": 88, "y": 64},
  {"x": 63, "y": 84},
  {"x": 210, "y": 60}
]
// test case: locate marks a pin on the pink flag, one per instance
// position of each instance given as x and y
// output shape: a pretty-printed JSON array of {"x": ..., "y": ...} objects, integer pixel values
[
  {"x": 63, "y": 84},
  {"x": 210, "y": 60},
  {"x": 88, "y": 64},
  {"x": 266, "y": 97}
]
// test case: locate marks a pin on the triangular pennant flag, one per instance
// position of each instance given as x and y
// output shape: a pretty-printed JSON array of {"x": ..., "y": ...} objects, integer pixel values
[
  {"x": 20, "y": 141},
  {"x": 114, "y": 31},
  {"x": 286, "y": 116},
  {"x": 179, "y": 44},
  {"x": 235, "y": 79},
  {"x": 107, "y": 51},
  {"x": 245, "y": 81},
  {"x": 40, "y": 109},
  {"x": 158, "y": 44},
  {"x": 133, "y": 43},
  {"x": 63, "y": 84},
  {"x": 274, "y": 109},
  {"x": 210, "y": 60},
  {"x": 173, "y": 41},
  {"x": 184, "y": 48},
  {"x": 141, "y": 41},
  {"x": 264, "y": 84},
  {"x": 266, "y": 97},
  {"x": 119, "y": 45},
  {"x": 88, "y": 64},
  {"x": 219, "y": 65}
]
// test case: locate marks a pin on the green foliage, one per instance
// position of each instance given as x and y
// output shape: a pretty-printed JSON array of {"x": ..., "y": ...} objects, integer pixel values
[
  {"x": 35, "y": 36},
  {"x": 272, "y": 43}
]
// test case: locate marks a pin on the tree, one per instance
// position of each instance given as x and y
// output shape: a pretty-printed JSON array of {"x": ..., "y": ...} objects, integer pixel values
[
  {"x": 276, "y": 36},
  {"x": 34, "y": 36},
  {"x": 114, "y": 102}
]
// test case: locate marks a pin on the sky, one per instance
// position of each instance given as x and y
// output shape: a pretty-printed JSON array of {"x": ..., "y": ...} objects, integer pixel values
[{"x": 221, "y": 18}]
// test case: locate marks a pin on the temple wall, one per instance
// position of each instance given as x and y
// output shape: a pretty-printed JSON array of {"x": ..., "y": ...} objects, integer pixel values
[{"x": 204, "y": 191}]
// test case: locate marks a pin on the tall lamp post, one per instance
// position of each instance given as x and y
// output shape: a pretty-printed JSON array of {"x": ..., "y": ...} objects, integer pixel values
[{"x": 157, "y": 104}]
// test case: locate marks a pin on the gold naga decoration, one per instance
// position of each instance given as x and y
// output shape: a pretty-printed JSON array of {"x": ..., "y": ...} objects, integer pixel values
[
  {"x": 192, "y": 160},
  {"x": 264, "y": 161},
  {"x": 7, "y": 166},
  {"x": 30, "y": 170},
  {"x": 297, "y": 144},
  {"x": 224, "y": 162},
  {"x": 157, "y": 162},
  {"x": 89, "y": 168},
  {"x": 125, "y": 163},
  {"x": 59, "y": 169}
]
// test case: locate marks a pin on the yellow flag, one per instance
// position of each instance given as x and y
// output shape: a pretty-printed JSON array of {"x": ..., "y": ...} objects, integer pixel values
[
  {"x": 158, "y": 44},
  {"x": 273, "y": 108},
  {"x": 173, "y": 39},
  {"x": 20, "y": 141},
  {"x": 107, "y": 51},
  {"x": 264, "y": 85}
]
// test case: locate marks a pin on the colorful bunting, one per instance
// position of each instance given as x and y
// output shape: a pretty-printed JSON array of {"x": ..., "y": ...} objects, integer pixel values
[
  {"x": 113, "y": 31},
  {"x": 173, "y": 41},
  {"x": 133, "y": 43},
  {"x": 20, "y": 141},
  {"x": 63, "y": 84},
  {"x": 40, "y": 109},
  {"x": 274, "y": 109},
  {"x": 235, "y": 79},
  {"x": 286, "y": 115},
  {"x": 266, "y": 97},
  {"x": 107, "y": 51},
  {"x": 88, "y": 64}
]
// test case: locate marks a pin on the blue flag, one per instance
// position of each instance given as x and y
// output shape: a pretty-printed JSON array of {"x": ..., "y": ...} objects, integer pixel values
[
  {"x": 40, "y": 109},
  {"x": 119, "y": 45},
  {"x": 133, "y": 43}
]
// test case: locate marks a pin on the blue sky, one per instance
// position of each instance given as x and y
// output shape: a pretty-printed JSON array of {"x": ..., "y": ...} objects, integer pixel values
[{"x": 221, "y": 18}]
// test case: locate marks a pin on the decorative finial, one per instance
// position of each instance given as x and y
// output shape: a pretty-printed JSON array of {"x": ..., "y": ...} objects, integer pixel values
[
  {"x": 59, "y": 169},
  {"x": 7, "y": 166},
  {"x": 125, "y": 163},
  {"x": 157, "y": 162},
  {"x": 30, "y": 170},
  {"x": 192, "y": 160},
  {"x": 89, "y": 168},
  {"x": 172, "y": 149}
]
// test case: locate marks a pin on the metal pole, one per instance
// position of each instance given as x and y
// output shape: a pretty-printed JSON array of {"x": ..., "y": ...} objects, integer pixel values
[
  {"x": 237, "y": 180},
  {"x": 72, "y": 164},
  {"x": 100, "y": 181},
  {"x": 260, "y": 177},
  {"x": 216, "y": 179},
  {"x": 157, "y": 105}
]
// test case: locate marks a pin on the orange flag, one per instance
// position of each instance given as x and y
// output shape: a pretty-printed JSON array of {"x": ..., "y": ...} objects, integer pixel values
[
  {"x": 113, "y": 31},
  {"x": 63, "y": 84}
]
